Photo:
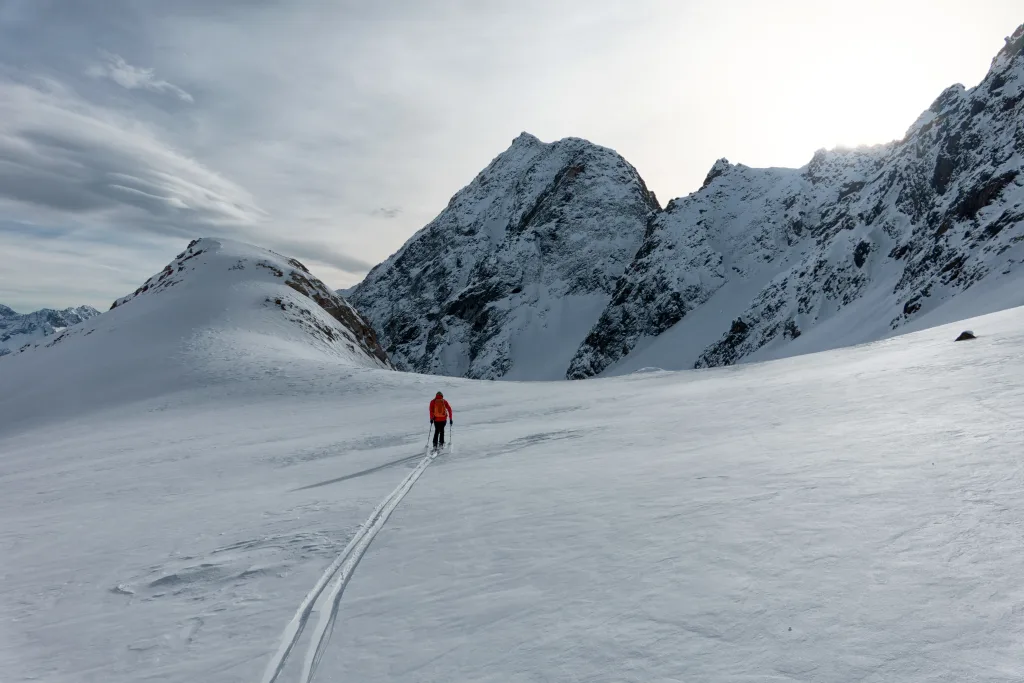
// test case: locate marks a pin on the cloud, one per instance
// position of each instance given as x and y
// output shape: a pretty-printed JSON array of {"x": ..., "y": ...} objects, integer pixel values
[
  {"x": 57, "y": 268},
  {"x": 88, "y": 186},
  {"x": 116, "y": 69},
  {"x": 59, "y": 153},
  {"x": 322, "y": 253},
  {"x": 383, "y": 212}
]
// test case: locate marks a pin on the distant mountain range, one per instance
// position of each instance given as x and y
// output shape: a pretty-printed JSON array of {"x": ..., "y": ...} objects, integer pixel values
[
  {"x": 18, "y": 330},
  {"x": 556, "y": 261}
]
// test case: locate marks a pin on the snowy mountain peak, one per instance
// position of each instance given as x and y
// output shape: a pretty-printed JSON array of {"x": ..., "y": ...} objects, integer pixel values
[
  {"x": 717, "y": 169},
  {"x": 222, "y": 313},
  {"x": 525, "y": 139},
  {"x": 948, "y": 99},
  {"x": 310, "y": 304},
  {"x": 505, "y": 281},
  {"x": 1013, "y": 49}
]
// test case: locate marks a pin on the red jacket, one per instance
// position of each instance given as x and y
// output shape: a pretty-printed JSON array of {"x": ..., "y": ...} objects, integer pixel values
[{"x": 440, "y": 410}]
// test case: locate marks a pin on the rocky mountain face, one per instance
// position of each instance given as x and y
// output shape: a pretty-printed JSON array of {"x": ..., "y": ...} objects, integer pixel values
[
  {"x": 507, "y": 280},
  {"x": 902, "y": 227},
  {"x": 757, "y": 263},
  {"x": 18, "y": 330}
]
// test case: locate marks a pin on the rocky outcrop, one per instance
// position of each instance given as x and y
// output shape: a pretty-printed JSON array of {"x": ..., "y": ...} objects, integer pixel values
[{"x": 303, "y": 282}]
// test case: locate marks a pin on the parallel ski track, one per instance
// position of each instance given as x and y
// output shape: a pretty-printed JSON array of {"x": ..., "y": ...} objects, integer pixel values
[{"x": 341, "y": 571}]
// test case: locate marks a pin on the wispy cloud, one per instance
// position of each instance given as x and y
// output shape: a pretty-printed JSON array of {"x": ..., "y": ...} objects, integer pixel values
[
  {"x": 386, "y": 212},
  {"x": 321, "y": 253},
  {"x": 60, "y": 153},
  {"x": 115, "y": 68}
]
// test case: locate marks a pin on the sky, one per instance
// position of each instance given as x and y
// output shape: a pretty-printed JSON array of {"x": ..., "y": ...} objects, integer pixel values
[{"x": 331, "y": 132}]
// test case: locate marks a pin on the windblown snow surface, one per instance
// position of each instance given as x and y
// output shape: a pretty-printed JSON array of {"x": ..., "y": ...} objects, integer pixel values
[{"x": 852, "y": 515}]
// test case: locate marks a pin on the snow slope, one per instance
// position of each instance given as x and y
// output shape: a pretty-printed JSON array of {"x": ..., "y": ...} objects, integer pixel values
[
  {"x": 217, "y": 307},
  {"x": 22, "y": 329},
  {"x": 507, "y": 280},
  {"x": 849, "y": 515}
]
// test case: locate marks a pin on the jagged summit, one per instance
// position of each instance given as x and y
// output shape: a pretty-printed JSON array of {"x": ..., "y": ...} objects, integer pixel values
[
  {"x": 854, "y": 246},
  {"x": 1013, "y": 48},
  {"x": 717, "y": 169},
  {"x": 506, "y": 280},
  {"x": 526, "y": 139}
]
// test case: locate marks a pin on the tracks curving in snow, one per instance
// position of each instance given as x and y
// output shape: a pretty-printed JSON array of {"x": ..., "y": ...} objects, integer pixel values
[{"x": 340, "y": 571}]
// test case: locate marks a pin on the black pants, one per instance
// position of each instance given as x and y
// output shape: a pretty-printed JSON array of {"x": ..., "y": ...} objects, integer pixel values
[{"x": 438, "y": 433}]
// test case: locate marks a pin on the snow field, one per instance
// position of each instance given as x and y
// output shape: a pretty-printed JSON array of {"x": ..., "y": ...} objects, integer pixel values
[{"x": 851, "y": 515}]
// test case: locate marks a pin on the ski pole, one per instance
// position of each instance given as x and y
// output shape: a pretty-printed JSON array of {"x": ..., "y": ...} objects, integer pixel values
[{"x": 431, "y": 427}]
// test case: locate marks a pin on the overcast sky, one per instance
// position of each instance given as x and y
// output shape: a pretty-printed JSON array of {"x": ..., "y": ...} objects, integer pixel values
[{"x": 332, "y": 131}]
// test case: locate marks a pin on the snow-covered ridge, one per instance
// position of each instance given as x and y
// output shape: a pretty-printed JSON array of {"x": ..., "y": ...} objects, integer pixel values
[
  {"x": 220, "y": 312},
  {"x": 19, "y": 330},
  {"x": 857, "y": 245},
  {"x": 324, "y": 314}
]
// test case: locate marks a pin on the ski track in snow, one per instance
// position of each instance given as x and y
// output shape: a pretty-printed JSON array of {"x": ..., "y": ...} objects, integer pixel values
[{"x": 341, "y": 571}]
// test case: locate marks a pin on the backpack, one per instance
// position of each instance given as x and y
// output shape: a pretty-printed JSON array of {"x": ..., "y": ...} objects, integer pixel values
[{"x": 438, "y": 409}]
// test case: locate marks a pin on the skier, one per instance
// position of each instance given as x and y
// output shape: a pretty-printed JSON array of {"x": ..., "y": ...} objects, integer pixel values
[{"x": 440, "y": 410}]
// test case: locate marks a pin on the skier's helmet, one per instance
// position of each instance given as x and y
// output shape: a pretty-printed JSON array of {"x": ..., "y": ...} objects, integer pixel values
[{"x": 439, "y": 395}]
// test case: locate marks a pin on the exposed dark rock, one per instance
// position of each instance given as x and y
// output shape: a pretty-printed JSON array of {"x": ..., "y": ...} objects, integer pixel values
[
  {"x": 944, "y": 169},
  {"x": 304, "y": 283},
  {"x": 720, "y": 167},
  {"x": 860, "y": 254},
  {"x": 981, "y": 196},
  {"x": 725, "y": 351},
  {"x": 850, "y": 188}
]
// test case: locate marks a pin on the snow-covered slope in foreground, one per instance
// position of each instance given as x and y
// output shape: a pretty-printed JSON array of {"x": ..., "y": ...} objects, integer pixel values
[
  {"x": 847, "y": 516},
  {"x": 217, "y": 308}
]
